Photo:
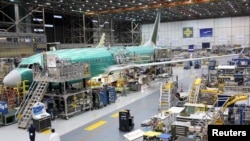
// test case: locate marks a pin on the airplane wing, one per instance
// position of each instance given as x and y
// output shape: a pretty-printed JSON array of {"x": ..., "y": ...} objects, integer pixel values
[
  {"x": 132, "y": 65},
  {"x": 118, "y": 67},
  {"x": 183, "y": 60}
]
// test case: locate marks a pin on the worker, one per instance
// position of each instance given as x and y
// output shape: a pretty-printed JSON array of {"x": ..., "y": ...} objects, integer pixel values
[
  {"x": 51, "y": 108},
  {"x": 54, "y": 136},
  {"x": 32, "y": 132}
]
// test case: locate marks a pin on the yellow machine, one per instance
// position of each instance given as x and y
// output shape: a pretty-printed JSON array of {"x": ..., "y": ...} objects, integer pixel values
[
  {"x": 93, "y": 83},
  {"x": 120, "y": 82},
  {"x": 217, "y": 118},
  {"x": 198, "y": 81},
  {"x": 211, "y": 91},
  {"x": 195, "y": 90},
  {"x": 157, "y": 125},
  {"x": 211, "y": 94},
  {"x": 170, "y": 85},
  {"x": 151, "y": 135},
  {"x": 120, "y": 85}
]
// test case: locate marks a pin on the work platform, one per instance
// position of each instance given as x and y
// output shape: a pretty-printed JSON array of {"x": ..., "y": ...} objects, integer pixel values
[{"x": 62, "y": 72}]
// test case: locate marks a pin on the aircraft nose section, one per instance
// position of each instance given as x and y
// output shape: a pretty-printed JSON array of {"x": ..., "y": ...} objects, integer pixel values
[{"x": 12, "y": 78}]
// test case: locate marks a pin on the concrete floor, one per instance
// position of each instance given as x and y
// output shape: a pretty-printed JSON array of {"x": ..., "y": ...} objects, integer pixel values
[{"x": 143, "y": 105}]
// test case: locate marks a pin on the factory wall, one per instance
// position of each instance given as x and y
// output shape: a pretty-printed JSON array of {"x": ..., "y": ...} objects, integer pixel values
[{"x": 225, "y": 31}]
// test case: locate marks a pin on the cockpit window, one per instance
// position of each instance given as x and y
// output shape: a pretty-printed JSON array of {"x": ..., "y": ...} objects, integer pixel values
[{"x": 23, "y": 66}]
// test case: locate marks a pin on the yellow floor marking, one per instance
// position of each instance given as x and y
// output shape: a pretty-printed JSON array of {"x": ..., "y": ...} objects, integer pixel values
[
  {"x": 48, "y": 131},
  {"x": 95, "y": 125},
  {"x": 115, "y": 115}
]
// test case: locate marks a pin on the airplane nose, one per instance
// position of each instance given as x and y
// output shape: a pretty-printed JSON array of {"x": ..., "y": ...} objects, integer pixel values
[{"x": 12, "y": 78}]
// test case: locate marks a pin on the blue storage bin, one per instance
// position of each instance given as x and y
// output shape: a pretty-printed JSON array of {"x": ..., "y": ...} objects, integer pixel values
[{"x": 4, "y": 107}]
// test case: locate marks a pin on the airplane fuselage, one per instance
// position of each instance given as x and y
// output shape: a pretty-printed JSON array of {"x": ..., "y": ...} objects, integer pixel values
[{"x": 98, "y": 58}]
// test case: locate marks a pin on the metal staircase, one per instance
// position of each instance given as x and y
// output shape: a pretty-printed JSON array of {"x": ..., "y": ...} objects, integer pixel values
[
  {"x": 164, "y": 100},
  {"x": 193, "y": 97},
  {"x": 166, "y": 96},
  {"x": 35, "y": 94}
]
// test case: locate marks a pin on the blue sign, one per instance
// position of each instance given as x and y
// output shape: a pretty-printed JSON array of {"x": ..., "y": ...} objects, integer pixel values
[
  {"x": 191, "y": 48},
  {"x": 206, "y": 32},
  {"x": 112, "y": 94},
  {"x": 3, "y": 107}
]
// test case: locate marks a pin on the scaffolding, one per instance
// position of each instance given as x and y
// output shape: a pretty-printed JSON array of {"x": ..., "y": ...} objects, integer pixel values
[
  {"x": 55, "y": 79},
  {"x": 10, "y": 95},
  {"x": 6, "y": 65},
  {"x": 167, "y": 95}
]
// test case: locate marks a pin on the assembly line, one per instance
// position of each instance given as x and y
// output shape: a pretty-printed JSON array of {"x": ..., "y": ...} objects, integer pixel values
[
  {"x": 129, "y": 93},
  {"x": 184, "y": 85},
  {"x": 150, "y": 95}
]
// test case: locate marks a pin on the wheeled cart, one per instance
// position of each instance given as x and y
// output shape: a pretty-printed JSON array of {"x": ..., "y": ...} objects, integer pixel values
[
  {"x": 103, "y": 96},
  {"x": 42, "y": 124},
  {"x": 126, "y": 121}
]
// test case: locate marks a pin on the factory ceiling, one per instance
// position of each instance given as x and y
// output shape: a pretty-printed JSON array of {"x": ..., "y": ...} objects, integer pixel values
[{"x": 144, "y": 10}]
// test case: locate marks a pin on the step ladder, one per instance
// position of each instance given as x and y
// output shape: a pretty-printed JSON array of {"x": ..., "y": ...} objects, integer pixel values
[
  {"x": 34, "y": 94},
  {"x": 165, "y": 97},
  {"x": 164, "y": 101},
  {"x": 193, "y": 97}
]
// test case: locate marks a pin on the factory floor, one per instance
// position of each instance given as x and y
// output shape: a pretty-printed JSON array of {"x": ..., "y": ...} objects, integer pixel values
[{"x": 103, "y": 124}]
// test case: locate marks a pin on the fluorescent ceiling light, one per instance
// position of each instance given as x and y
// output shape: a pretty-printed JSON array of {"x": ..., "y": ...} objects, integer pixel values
[
  {"x": 49, "y": 25},
  {"x": 57, "y": 17}
]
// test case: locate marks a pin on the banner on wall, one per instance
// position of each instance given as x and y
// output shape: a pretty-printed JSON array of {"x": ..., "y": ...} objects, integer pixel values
[
  {"x": 206, "y": 32},
  {"x": 190, "y": 48},
  {"x": 187, "y": 32}
]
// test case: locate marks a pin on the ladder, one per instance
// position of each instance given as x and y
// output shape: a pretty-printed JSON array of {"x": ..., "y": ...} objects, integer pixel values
[
  {"x": 164, "y": 100},
  {"x": 193, "y": 98},
  {"x": 34, "y": 94},
  {"x": 165, "y": 97}
]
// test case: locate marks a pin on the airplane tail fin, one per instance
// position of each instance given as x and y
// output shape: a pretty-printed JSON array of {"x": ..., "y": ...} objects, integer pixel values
[
  {"x": 142, "y": 41},
  {"x": 153, "y": 37},
  {"x": 102, "y": 41}
]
